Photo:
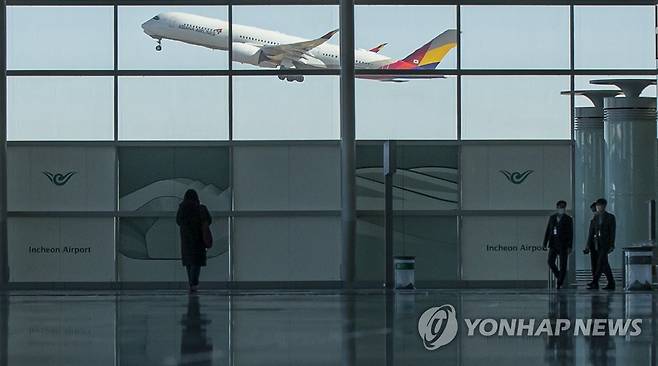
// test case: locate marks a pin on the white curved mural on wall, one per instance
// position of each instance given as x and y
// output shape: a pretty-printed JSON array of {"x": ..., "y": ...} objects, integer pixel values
[
  {"x": 413, "y": 188},
  {"x": 150, "y": 238}
]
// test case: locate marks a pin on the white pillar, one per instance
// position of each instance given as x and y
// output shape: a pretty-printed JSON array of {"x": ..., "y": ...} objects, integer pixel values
[
  {"x": 630, "y": 161},
  {"x": 589, "y": 154}
]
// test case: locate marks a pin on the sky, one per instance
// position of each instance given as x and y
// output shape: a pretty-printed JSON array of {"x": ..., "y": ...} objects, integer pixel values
[{"x": 493, "y": 107}]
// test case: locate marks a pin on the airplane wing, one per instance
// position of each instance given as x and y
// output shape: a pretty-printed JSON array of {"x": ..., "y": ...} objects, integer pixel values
[
  {"x": 398, "y": 78},
  {"x": 294, "y": 51}
]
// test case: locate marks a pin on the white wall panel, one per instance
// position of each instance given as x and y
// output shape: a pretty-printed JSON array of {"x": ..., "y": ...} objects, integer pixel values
[
  {"x": 539, "y": 176},
  {"x": 60, "y": 178},
  {"x": 504, "y": 248},
  {"x": 61, "y": 249},
  {"x": 287, "y": 178},
  {"x": 287, "y": 249}
]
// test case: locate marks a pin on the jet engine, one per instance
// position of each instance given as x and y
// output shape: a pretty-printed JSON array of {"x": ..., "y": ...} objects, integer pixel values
[{"x": 248, "y": 54}]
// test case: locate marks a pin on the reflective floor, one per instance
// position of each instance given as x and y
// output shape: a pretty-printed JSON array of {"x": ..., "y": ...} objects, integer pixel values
[{"x": 315, "y": 328}]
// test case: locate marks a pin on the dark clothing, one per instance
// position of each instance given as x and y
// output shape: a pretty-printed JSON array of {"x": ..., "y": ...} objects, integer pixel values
[
  {"x": 564, "y": 258},
  {"x": 600, "y": 241},
  {"x": 190, "y": 217},
  {"x": 193, "y": 273},
  {"x": 559, "y": 233},
  {"x": 603, "y": 267},
  {"x": 593, "y": 253},
  {"x": 559, "y": 239},
  {"x": 601, "y": 236},
  {"x": 593, "y": 259}
]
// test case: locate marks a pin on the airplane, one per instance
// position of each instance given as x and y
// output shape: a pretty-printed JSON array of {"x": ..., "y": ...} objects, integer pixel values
[{"x": 270, "y": 49}]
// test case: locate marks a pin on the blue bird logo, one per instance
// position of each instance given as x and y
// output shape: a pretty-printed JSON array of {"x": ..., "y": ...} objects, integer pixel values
[
  {"x": 517, "y": 177},
  {"x": 59, "y": 179}
]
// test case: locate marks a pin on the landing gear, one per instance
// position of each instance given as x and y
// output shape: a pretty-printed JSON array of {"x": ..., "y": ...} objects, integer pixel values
[
  {"x": 159, "y": 46},
  {"x": 292, "y": 78}
]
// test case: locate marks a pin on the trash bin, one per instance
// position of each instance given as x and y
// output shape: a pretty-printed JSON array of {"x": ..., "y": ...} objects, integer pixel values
[
  {"x": 405, "y": 272},
  {"x": 637, "y": 267}
]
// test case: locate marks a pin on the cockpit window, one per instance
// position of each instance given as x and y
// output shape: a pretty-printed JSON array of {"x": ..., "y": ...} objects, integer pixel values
[{"x": 156, "y": 18}]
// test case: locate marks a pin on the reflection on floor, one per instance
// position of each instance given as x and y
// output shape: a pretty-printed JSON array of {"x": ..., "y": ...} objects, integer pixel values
[{"x": 318, "y": 328}]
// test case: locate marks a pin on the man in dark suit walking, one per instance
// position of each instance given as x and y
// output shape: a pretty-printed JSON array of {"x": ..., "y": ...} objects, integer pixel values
[
  {"x": 601, "y": 239},
  {"x": 559, "y": 240}
]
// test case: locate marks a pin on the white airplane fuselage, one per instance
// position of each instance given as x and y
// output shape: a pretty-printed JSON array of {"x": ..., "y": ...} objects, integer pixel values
[{"x": 247, "y": 42}]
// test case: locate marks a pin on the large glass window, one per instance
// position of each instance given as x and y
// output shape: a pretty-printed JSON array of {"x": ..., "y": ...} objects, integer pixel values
[
  {"x": 614, "y": 37},
  {"x": 173, "y": 108},
  {"x": 415, "y": 26},
  {"x": 274, "y": 27},
  {"x": 193, "y": 37},
  {"x": 515, "y": 107},
  {"x": 60, "y": 108},
  {"x": 266, "y": 108},
  {"x": 179, "y": 119},
  {"x": 509, "y": 37},
  {"x": 418, "y": 109},
  {"x": 59, "y": 37}
]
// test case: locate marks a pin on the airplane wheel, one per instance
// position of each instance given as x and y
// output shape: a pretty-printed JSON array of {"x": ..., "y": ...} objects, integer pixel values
[
  {"x": 281, "y": 77},
  {"x": 158, "y": 48}
]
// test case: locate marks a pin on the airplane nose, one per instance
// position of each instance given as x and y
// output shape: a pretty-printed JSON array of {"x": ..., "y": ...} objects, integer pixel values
[{"x": 147, "y": 26}]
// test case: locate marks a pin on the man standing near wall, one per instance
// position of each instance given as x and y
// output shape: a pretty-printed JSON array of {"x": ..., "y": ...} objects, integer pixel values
[
  {"x": 559, "y": 239},
  {"x": 602, "y": 239}
]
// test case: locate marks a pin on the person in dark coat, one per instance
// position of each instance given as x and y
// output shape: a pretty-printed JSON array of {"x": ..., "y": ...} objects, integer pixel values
[
  {"x": 559, "y": 240},
  {"x": 593, "y": 253},
  {"x": 190, "y": 217},
  {"x": 602, "y": 239}
]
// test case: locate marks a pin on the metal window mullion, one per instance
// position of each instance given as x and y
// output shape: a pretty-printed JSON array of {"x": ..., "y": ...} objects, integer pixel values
[
  {"x": 4, "y": 250},
  {"x": 331, "y": 72},
  {"x": 115, "y": 76},
  {"x": 572, "y": 104},
  {"x": 326, "y": 2},
  {"x": 231, "y": 149},
  {"x": 460, "y": 266}
]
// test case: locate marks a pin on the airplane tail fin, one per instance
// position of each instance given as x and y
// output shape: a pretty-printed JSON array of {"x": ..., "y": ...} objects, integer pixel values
[
  {"x": 378, "y": 48},
  {"x": 430, "y": 54}
]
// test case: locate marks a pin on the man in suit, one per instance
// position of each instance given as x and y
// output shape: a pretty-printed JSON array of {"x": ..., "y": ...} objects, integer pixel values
[
  {"x": 601, "y": 239},
  {"x": 593, "y": 253},
  {"x": 559, "y": 240}
]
